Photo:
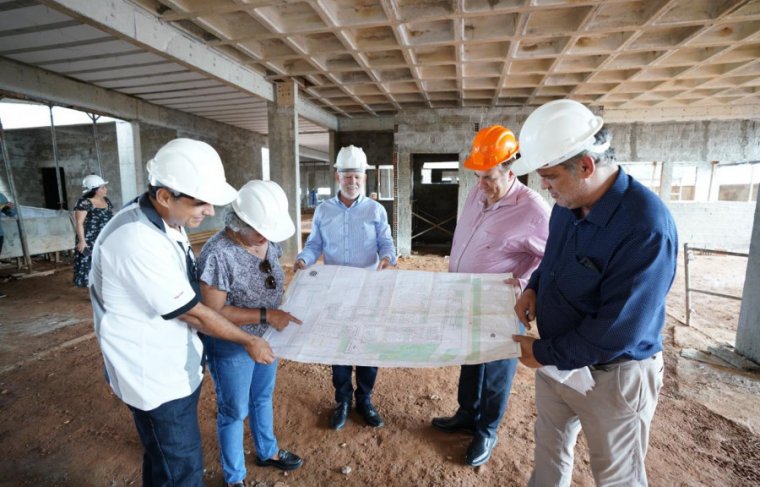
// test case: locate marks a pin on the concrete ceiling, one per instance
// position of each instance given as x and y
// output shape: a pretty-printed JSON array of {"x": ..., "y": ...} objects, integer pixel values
[{"x": 375, "y": 57}]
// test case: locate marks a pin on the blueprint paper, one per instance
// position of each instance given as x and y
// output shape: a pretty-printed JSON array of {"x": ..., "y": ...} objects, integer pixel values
[{"x": 395, "y": 318}]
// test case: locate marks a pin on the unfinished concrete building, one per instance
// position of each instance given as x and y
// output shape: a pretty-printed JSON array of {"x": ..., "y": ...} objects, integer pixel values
[{"x": 277, "y": 87}]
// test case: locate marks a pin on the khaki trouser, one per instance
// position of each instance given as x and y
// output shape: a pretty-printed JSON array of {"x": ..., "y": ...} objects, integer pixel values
[{"x": 615, "y": 416}]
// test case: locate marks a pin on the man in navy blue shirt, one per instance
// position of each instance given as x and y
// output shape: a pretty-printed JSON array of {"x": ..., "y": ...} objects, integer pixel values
[{"x": 598, "y": 298}]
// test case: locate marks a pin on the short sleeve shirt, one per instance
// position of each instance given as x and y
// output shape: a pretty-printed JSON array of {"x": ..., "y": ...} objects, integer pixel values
[
  {"x": 139, "y": 286},
  {"x": 228, "y": 267}
]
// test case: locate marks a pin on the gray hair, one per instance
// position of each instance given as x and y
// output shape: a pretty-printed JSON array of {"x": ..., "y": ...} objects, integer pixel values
[
  {"x": 233, "y": 221},
  {"x": 606, "y": 158}
]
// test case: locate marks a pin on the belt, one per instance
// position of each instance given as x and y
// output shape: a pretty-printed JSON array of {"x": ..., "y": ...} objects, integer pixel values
[{"x": 617, "y": 362}]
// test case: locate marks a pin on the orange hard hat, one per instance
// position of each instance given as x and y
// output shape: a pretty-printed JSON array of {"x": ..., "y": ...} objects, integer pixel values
[{"x": 492, "y": 146}]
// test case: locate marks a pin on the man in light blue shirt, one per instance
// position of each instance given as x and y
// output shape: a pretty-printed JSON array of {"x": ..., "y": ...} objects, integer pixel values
[{"x": 351, "y": 230}]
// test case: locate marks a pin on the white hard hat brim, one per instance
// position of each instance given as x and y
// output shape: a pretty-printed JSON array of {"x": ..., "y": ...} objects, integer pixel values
[
  {"x": 218, "y": 195},
  {"x": 528, "y": 162},
  {"x": 283, "y": 229},
  {"x": 90, "y": 188}
]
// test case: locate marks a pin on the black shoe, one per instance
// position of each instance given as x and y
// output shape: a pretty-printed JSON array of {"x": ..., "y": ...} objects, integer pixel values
[
  {"x": 479, "y": 451},
  {"x": 340, "y": 415},
  {"x": 234, "y": 484},
  {"x": 287, "y": 461},
  {"x": 370, "y": 415},
  {"x": 453, "y": 424}
]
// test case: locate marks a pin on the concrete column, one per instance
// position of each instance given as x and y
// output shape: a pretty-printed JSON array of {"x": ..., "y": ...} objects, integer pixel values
[
  {"x": 283, "y": 156},
  {"x": 130, "y": 160},
  {"x": 702, "y": 184},
  {"x": 748, "y": 333},
  {"x": 403, "y": 208},
  {"x": 666, "y": 181},
  {"x": 714, "y": 192}
]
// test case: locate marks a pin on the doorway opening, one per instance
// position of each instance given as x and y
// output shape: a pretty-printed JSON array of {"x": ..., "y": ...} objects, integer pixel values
[{"x": 435, "y": 195}]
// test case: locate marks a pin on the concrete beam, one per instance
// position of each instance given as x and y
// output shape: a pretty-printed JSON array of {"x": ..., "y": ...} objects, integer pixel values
[
  {"x": 126, "y": 21},
  {"x": 314, "y": 114},
  {"x": 24, "y": 81},
  {"x": 366, "y": 124},
  {"x": 681, "y": 114},
  {"x": 312, "y": 154}
]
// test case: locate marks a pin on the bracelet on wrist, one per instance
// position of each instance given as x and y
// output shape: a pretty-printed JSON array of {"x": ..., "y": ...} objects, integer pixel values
[{"x": 263, "y": 319}]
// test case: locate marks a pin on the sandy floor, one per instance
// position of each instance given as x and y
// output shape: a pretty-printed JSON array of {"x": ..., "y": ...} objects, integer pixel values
[{"x": 62, "y": 426}]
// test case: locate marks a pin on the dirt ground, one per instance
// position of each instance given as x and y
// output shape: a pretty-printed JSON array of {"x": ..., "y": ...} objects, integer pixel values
[{"x": 62, "y": 426}]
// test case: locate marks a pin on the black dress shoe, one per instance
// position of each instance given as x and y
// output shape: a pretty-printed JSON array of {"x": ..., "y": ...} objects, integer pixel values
[
  {"x": 479, "y": 451},
  {"x": 287, "y": 461},
  {"x": 340, "y": 415},
  {"x": 370, "y": 415},
  {"x": 453, "y": 424}
]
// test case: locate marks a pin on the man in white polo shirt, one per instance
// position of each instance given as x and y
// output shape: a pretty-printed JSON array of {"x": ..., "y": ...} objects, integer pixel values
[{"x": 147, "y": 311}]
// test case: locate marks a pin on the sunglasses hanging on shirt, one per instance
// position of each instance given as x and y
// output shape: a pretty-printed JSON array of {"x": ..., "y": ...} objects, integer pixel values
[{"x": 266, "y": 268}]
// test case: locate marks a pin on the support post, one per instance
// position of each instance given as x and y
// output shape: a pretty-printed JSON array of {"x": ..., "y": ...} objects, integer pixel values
[
  {"x": 748, "y": 332},
  {"x": 283, "y": 156},
  {"x": 61, "y": 204},
  {"x": 666, "y": 181}
]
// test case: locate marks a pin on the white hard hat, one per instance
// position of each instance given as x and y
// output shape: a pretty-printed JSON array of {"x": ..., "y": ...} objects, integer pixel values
[
  {"x": 555, "y": 132},
  {"x": 351, "y": 159},
  {"x": 264, "y": 206},
  {"x": 91, "y": 182},
  {"x": 191, "y": 167}
]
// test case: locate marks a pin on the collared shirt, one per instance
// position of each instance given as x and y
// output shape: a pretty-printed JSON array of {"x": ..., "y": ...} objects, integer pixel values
[
  {"x": 142, "y": 279},
  {"x": 508, "y": 236},
  {"x": 228, "y": 267},
  {"x": 354, "y": 236},
  {"x": 602, "y": 284}
]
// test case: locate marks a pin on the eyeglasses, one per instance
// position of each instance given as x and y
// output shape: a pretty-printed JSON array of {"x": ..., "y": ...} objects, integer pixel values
[{"x": 266, "y": 268}]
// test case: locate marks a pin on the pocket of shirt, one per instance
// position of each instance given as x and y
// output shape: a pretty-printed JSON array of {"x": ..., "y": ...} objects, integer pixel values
[{"x": 577, "y": 281}]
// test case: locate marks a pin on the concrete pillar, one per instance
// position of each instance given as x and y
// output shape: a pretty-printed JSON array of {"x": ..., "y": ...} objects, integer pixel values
[
  {"x": 714, "y": 192},
  {"x": 403, "y": 209},
  {"x": 748, "y": 333},
  {"x": 666, "y": 181},
  {"x": 130, "y": 160},
  {"x": 466, "y": 182},
  {"x": 702, "y": 183},
  {"x": 283, "y": 156}
]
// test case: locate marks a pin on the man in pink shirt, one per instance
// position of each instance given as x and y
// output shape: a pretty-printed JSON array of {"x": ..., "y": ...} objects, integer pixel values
[{"x": 503, "y": 228}]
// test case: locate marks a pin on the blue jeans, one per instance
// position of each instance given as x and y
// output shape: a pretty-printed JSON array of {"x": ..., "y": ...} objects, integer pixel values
[
  {"x": 365, "y": 382},
  {"x": 484, "y": 393},
  {"x": 243, "y": 389},
  {"x": 171, "y": 439}
]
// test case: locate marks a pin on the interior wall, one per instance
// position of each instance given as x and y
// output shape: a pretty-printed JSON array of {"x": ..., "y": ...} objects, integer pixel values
[{"x": 31, "y": 149}]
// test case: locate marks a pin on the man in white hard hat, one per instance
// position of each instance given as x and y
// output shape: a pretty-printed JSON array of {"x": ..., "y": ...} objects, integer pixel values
[
  {"x": 351, "y": 230},
  {"x": 598, "y": 297},
  {"x": 146, "y": 301}
]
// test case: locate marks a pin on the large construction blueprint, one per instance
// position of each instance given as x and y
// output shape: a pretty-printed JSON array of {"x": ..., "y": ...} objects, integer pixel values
[{"x": 397, "y": 318}]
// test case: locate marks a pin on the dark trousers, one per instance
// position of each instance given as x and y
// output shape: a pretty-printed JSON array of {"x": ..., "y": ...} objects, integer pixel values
[
  {"x": 171, "y": 440},
  {"x": 365, "y": 381},
  {"x": 484, "y": 393}
]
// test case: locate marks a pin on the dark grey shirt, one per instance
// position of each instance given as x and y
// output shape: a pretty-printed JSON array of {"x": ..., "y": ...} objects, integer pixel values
[{"x": 228, "y": 267}]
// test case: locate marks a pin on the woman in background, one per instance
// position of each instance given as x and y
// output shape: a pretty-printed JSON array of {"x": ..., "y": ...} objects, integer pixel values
[{"x": 92, "y": 212}]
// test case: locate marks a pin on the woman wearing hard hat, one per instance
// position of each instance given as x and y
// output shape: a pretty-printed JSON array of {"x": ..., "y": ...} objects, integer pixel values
[
  {"x": 92, "y": 211},
  {"x": 241, "y": 277}
]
